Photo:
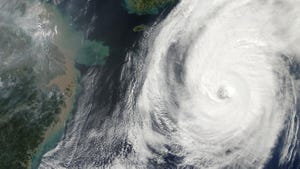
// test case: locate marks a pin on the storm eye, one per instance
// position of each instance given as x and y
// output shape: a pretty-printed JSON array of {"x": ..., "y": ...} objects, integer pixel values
[{"x": 224, "y": 93}]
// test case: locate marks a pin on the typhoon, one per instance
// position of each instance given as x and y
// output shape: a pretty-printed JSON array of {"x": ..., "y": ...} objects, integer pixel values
[{"x": 213, "y": 85}]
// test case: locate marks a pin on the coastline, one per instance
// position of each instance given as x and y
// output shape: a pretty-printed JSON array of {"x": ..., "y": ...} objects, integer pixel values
[
  {"x": 67, "y": 83},
  {"x": 68, "y": 42}
]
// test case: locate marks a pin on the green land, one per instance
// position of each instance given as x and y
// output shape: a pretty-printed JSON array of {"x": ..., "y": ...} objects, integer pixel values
[
  {"x": 37, "y": 96},
  {"x": 143, "y": 7},
  {"x": 139, "y": 28},
  {"x": 25, "y": 113}
]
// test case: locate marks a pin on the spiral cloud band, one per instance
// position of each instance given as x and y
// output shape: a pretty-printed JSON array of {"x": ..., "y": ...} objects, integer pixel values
[
  {"x": 217, "y": 81},
  {"x": 213, "y": 86}
]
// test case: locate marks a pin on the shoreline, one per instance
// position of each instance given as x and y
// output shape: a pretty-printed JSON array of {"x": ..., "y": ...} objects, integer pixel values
[
  {"x": 67, "y": 84},
  {"x": 68, "y": 41}
]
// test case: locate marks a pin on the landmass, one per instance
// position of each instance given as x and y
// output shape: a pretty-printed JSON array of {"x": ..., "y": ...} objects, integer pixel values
[
  {"x": 143, "y": 7},
  {"x": 139, "y": 28},
  {"x": 38, "y": 79},
  {"x": 38, "y": 83}
]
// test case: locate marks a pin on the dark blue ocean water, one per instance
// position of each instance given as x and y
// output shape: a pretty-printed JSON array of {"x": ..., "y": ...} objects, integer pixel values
[{"x": 109, "y": 22}]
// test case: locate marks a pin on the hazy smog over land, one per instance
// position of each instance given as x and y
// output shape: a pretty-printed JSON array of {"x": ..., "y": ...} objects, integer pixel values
[{"x": 149, "y": 84}]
